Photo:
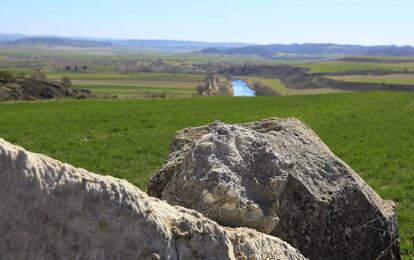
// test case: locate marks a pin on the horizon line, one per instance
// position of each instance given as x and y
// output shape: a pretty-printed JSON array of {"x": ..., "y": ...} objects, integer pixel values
[{"x": 101, "y": 38}]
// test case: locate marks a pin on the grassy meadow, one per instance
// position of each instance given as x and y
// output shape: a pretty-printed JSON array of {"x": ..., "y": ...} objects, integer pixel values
[{"x": 371, "y": 131}]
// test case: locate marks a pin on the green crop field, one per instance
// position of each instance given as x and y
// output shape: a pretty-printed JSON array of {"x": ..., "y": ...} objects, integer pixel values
[
  {"x": 342, "y": 66},
  {"x": 134, "y": 85},
  {"x": 140, "y": 76},
  {"x": 387, "y": 79},
  {"x": 372, "y": 131}
]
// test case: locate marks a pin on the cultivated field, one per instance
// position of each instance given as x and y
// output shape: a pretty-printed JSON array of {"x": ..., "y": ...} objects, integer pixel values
[
  {"x": 371, "y": 131},
  {"x": 386, "y": 79},
  {"x": 134, "y": 85},
  {"x": 343, "y": 66}
]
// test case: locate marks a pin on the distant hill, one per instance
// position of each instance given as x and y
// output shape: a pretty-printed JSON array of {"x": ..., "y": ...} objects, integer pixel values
[
  {"x": 57, "y": 42},
  {"x": 274, "y": 50}
]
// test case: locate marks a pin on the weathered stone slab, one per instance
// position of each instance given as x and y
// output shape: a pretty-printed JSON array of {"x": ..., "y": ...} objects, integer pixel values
[{"x": 50, "y": 210}]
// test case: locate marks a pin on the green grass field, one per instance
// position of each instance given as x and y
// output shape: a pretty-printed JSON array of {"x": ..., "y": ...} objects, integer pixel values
[
  {"x": 387, "y": 79},
  {"x": 372, "y": 131},
  {"x": 342, "y": 66}
]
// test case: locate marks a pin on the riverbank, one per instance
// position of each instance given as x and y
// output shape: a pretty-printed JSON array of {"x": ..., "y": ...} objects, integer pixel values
[{"x": 216, "y": 85}]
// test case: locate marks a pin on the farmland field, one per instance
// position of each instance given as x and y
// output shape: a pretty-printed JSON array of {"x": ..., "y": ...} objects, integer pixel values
[
  {"x": 134, "y": 85},
  {"x": 343, "y": 66},
  {"x": 371, "y": 131},
  {"x": 387, "y": 79}
]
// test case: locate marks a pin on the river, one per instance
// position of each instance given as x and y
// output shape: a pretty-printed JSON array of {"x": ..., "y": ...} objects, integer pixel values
[{"x": 242, "y": 89}]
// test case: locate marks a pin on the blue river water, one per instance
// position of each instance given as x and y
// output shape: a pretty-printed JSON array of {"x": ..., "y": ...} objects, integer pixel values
[{"x": 241, "y": 89}]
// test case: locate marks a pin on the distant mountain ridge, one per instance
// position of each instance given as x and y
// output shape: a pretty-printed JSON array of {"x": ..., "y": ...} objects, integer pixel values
[
  {"x": 61, "y": 42},
  {"x": 273, "y": 50},
  {"x": 23, "y": 40},
  {"x": 209, "y": 48}
]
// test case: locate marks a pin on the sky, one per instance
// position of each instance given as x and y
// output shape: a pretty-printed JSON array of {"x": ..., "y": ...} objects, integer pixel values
[{"x": 367, "y": 22}]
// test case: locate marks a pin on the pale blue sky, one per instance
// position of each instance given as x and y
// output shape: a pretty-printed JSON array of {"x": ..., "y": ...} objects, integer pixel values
[{"x": 256, "y": 21}]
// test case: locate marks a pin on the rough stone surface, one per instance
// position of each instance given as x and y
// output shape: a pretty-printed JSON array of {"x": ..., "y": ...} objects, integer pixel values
[
  {"x": 50, "y": 210},
  {"x": 278, "y": 177}
]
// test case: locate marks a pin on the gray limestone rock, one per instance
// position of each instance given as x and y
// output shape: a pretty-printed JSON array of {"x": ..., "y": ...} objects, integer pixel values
[{"x": 278, "y": 177}]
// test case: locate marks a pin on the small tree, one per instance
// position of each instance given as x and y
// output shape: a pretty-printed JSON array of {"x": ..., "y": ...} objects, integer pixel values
[
  {"x": 66, "y": 81},
  {"x": 6, "y": 76}
]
